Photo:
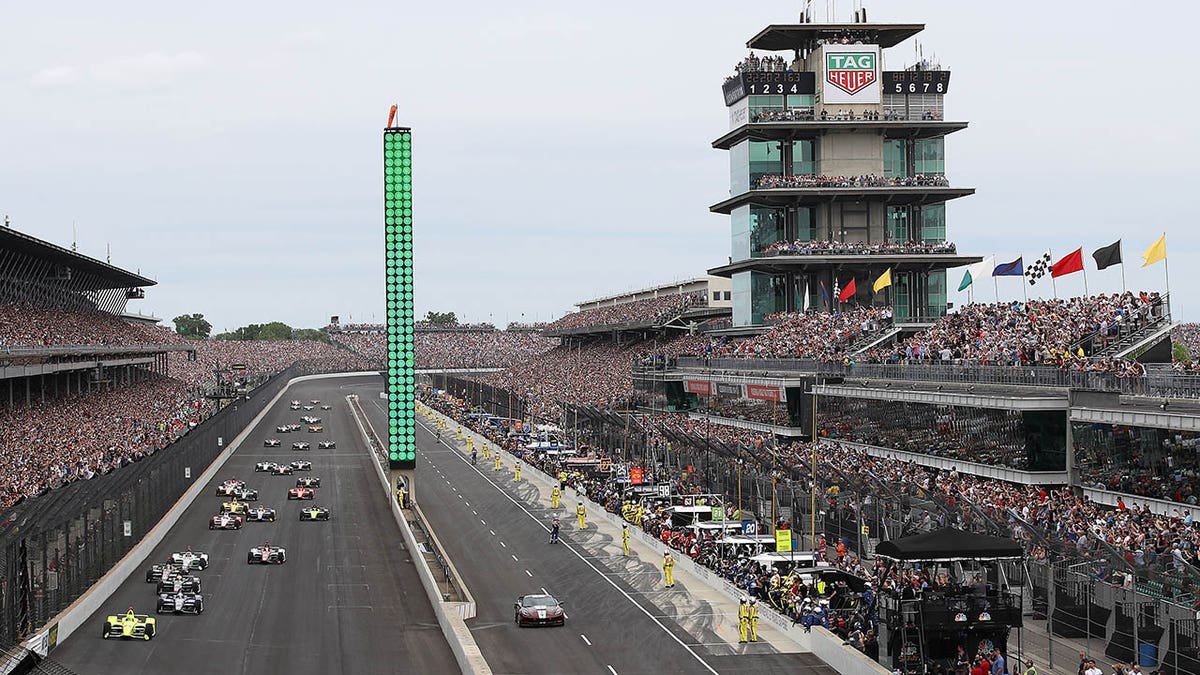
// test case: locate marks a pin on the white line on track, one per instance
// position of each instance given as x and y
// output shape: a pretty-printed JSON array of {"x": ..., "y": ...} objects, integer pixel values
[
  {"x": 493, "y": 532},
  {"x": 473, "y": 510},
  {"x": 579, "y": 555},
  {"x": 611, "y": 670},
  {"x": 483, "y": 521},
  {"x": 504, "y": 544},
  {"x": 589, "y": 642},
  {"x": 515, "y": 559},
  {"x": 529, "y": 573},
  {"x": 544, "y": 591}
]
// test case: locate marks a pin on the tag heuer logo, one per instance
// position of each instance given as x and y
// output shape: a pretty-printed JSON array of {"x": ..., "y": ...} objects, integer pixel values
[{"x": 849, "y": 71}]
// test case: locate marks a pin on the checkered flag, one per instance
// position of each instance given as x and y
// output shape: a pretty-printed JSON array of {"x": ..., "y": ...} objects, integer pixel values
[{"x": 1038, "y": 268}]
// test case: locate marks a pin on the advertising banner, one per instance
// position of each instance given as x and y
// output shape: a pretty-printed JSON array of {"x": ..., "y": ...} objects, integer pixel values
[
  {"x": 763, "y": 393},
  {"x": 783, "y": 541},
  {"x": 703, "y": 387},
  {"x": 726, "y": 389},
  {"x": 851, "y": 74}
]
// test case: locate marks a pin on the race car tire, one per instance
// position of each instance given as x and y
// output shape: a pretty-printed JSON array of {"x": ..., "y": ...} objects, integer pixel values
[
  {"x": 105, "y": 632},
  {"x": 249, "y": 558},
  {"x": 149, "y": 631},
  {"x": 199, "y": 606}
]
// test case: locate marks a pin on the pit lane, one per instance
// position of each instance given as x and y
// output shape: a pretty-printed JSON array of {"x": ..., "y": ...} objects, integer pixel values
[{"x": 348, "y": 600}]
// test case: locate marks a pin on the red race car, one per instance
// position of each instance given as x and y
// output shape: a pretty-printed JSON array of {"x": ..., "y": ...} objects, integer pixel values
[
  {"x": 302, "y": 493},
  {"x": 225, "y": 521}
]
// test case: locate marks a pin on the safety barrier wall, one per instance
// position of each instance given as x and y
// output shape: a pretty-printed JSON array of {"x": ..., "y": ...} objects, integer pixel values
[
  {"x": 206, "y": 445},
  {"x": 450, "y": 615}
]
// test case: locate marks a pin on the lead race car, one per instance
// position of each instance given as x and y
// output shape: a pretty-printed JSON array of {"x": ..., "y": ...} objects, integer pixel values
[
  {"x": 190, "y": 560},
  {"x": 326, "y": 445},
  {"x": 266, "y": 555},
  {"x": 539, "y": 610},
  {"x": 130, "y": 626},
  {"x": 261, "y": 514},
  {"x": 272, "y": 443},
  {"x": 309, "y": 419}
]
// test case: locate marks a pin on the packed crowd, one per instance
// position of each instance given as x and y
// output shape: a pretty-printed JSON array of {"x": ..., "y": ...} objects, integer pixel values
[
  {"x": 1186, "y": 339},
  {"x": 651, "y": 309},
  {"x": 27, "y": 326},
  {"x": 260, "y": 356},
  {"x": 803, "y": 247},
  {"x": 1024, "y": 333},
  {"x": 478, "y": 349},
  {"x": 770, "y": 182},
  {"x": 431, "y": 325},
  {"x": 811, "y": 335},
  {"x": 357, "y": 328}
]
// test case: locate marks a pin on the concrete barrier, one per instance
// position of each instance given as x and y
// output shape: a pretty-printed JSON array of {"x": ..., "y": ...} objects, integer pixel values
[
  {"x": 824, "y": 644},
  {"x": 450, "y": 615},
  {"x": 71, "y": 618}
]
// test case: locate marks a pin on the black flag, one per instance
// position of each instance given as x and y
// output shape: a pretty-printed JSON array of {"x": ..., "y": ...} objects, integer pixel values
[{"x": 1108, "y": 256}]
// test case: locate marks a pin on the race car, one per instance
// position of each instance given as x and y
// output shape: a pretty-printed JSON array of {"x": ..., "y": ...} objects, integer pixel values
[
  {"x": 308, "y": 407},
  {"x": 309, "y": 419},
  {"x": 301, "y": 445},
  {"x": 282, "y": 470},
  {"x": 301, "y": 493},
  {"x": 266, "y": 555},
  {"x": 266, "y": 466},
  {"x": 129, "y": 626},
  {"x": 539, "y": 610},
  {"x": 190, "y": 560},
  {"x": 326, "y": 406},
  {"x": 327, "y": 445},
  {"x": 234, "y": 507},
  {"x": 316, "y": 429},
  {"x": 260, "y": 514},
  {"x": 180, "y": 603},
  {"x": 272, "y": 443},
  {"x": 159, "y": 570},
  {"x": 244, "y": 494},
  {"x": 283, "y": 428},
  {"x": 295, "y": 402},
  {"x": 225, "y": 521},
  {"x": 295, "y": 406},
  {"x": 179, "y": 584},
  {"x": 309, "y": 481},
  {"x": 314, "y": 513},
  {"x": 315, "y": 401},
  {"x": 300, "y": 465},
  {"x": 293, "y": 427},
  {"x": 229, "y": 487}
]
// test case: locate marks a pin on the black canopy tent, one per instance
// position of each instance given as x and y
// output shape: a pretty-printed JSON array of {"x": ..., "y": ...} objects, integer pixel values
[{"x": 949, "y": 545}]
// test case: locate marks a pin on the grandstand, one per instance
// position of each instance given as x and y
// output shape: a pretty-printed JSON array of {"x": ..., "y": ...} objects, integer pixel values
[{"x": 686, "y": 306}]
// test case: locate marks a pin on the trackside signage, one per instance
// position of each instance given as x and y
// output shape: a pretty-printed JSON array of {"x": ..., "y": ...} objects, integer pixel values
[
  {"x": 851, "y": 74},
  {"x": 763, "y": 393},
  {"x": 703, "y": 387}
]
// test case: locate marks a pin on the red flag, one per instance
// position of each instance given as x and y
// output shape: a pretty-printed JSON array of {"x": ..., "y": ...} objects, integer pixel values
[
  {"x": 847, "y": 292},
  {"x": 1071, "y": 262}
]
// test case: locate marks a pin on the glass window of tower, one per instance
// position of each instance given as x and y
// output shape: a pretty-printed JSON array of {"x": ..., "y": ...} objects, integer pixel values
[
  {"x": 766, "y": 228},
  {"x": 768, "y": 295},
  {"x": 933, "y": 223},
  {"x": 897, "y": 223},
  {"x": 766, "y": 159},
  {"x": 802, "y": 102},
  {"x": 895, "y": 157},
  {"x": 937, "y": 294},
  {"x": 739, "y": 172},
  {"x": 760, "y": 103},
  {"x": 802, "y": 158},
  {"x": 806, "y": 223},
  {"x": 929, "y": 156}
]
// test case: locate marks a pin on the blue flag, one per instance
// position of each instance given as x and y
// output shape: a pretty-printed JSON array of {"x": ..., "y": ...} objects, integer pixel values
[
  {"x": 825, "y": 293},
  {"x": 1015, "y": 268}
]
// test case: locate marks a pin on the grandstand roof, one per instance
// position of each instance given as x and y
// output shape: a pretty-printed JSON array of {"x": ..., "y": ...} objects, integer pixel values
[
  {"x": 107, "y": 276},
  {"x": 899, "y": 261}
]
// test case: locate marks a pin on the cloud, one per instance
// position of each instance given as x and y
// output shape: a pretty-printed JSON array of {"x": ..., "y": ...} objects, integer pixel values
[
  {"x": 58, "y": 76},
  {"x": 148, "y": 71}
]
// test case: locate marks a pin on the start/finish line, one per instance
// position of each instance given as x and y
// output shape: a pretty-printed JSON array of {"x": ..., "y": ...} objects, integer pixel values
[{"x": 398, "y": 261}]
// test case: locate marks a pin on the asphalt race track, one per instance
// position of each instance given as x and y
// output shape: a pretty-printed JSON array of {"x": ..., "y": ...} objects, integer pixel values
[
  {"x": 348, "y": 599},
  {"x": 613, "y": 628}
]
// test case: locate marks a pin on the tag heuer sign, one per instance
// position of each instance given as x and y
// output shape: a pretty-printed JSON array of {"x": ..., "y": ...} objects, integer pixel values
[{"x": 850, "y": 71}]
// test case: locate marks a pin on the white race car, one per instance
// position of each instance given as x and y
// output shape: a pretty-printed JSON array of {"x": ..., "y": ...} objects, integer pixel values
[
  {"x": 190, "y": 560},
  {"x": 327, "y": 445},
  {"x": 265, "y": 466},
  {"x": 300, "y": 465},
  {"x": 283, "y": 429},
  {"x": 266, "y": 555},
  {"x": 282, "y": 470},
  {"x": 326, "y": 407},
  {"x": 301, "y": 445},
  {"x": 271, "y": 443}
]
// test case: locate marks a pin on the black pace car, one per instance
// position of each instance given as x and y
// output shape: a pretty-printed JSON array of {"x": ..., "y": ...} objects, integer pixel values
[{"x": 539, "y": 610}]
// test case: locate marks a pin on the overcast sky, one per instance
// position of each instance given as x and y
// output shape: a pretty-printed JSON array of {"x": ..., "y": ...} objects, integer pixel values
[{"x": 232, "y": 150}]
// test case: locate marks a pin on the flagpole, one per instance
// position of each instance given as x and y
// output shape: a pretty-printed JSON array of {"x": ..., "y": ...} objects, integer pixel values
[
  {"x": 1084, "y": 270},
  {"x": 1166, "y": 270},
  {"x": 1121, "y": 255},
  {"x": 995, "y": 284},
  {"x": 1053, "y": 284}
]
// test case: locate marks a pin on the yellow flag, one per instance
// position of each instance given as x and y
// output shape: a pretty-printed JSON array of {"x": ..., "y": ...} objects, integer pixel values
[
  {"x": 1156, "y": 252},
  {"x": 883, "y": 281}
]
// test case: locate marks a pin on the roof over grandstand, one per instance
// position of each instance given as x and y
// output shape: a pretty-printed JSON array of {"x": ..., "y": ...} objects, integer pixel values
[
  {"x": 808, "y": 129},
  {"x": 780, "y": 37},
  {"x": 107, "y": 276}
]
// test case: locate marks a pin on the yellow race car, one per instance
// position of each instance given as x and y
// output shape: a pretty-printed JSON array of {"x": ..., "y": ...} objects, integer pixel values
[
  {"x": 235, "y": 507},
  {"x": 129, "y": 626}
]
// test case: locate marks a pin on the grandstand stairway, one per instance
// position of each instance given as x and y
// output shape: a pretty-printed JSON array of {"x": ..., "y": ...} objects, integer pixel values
[
  {"x": 873, "y": 340},
  {"x": 1141, "y": 342}
]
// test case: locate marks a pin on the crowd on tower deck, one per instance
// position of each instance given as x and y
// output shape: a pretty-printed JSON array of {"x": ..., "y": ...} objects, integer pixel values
[
  {"x": 28, "y": 326},
  {"x": 805, "y": 247},
  {"x": 770, "y": 182},
  {"x": 808, "y": 114},
  {"x": 661, "y": 308},
  {"x": 1033, "y": 332},
  {"x": 358, "y": 328}
]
